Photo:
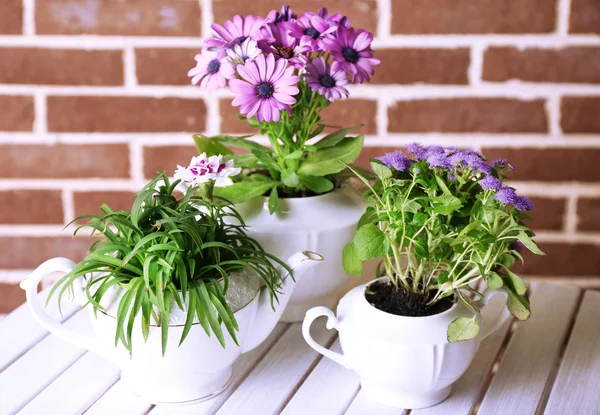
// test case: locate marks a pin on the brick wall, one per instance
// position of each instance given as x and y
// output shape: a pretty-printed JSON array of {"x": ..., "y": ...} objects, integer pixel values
[{"x": 95, "y": 99}]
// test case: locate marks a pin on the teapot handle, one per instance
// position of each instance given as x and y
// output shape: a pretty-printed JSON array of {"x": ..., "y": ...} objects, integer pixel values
[
  {"x": 490, "y": 324},
  {"x": 312, "y": 315},
  {"x": 30, "y": 285}
]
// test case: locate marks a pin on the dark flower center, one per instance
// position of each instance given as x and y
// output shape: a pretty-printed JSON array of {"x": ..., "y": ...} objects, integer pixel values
[
  {"x": 312, "y": 32},
  {"x": 241, "y": 39},
  {"x": 265, "y": 90},
  {"x": 350, "y": 54},
  {"x": 285, "y": 52},
  {"x": 214, "y": 65},
  {"x": 327, "y": 81}
]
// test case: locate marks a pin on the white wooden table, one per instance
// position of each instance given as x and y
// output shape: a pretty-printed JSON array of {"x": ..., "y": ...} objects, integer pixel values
[{"x": 550, "y": 364}]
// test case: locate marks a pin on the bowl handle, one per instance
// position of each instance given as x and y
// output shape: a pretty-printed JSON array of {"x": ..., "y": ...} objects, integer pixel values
[
  {"x": 491, "y": 324},
  {"x": 312, "y": 315}
]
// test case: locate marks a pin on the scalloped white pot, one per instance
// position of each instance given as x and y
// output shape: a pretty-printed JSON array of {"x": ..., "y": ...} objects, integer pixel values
[
  {"x": 405, "y": 362},
  {"x": 322, "y": 224}
]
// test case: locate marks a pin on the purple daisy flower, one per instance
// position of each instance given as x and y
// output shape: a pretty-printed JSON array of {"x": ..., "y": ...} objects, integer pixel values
[
  {"x": 267, "y": 87},
  {"x": 490, "y": 182},
  {"x": 506, "y": 195},
  {"x": 284, "y": 46},
  {"x": 396, "y": 159},
  {"x": 310, "y": 29},
  {"x": 211, "y": 70},
  {"x": 239, "y": 53},
  {"x": 351, "y": 51},
  {"x": 320, "y": 78},
  {"x": 335, "y": 19},
  {"x": 523, "y": 204},
  {"x": 418, "y": 151},
  {"x": 238, "y": 30},
  {"x": 285, "y": 15}
]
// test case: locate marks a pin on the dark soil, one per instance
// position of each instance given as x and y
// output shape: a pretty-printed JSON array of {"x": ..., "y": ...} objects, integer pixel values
[{"x": 385, "y": 297}]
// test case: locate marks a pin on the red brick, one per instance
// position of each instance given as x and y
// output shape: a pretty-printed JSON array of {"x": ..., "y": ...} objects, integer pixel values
[
  {"x": 429, "y": 66},
  {"x": 466, "y": 115},
  {"x": 585, "y": 16},
  {"x": 125, "y": 114},
  {"x": 362, "y": 13},
  {"x": 343, "y": 113},
  {"x": 11, "y": 296},
  {"x": 473, "y": 16},
  {"x": 573, "y": 65},
  {"x": 579, "y": 115},
  {"x": 31, "y": 207},
  {"x": 118, "y": 17},
  {"x": 17, "y": 113},
  {"x": 588, "y": 214},
  {"x": 23, "y": 252},
  {"x": 88, "y": 203},
  {"x": 61, "y": 66},
  {"x": 548, "y": 214},
  {"x": 163, "y": 66},
  {"x": 63, "y": 161},
  {"x": 11, "y": 17},
  {"x": 561, "y": 260},
  {"x": 550, "y": 164},
  {"x": 166, "y": 158}
]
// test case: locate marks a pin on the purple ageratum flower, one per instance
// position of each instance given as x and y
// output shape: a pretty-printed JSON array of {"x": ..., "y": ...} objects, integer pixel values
[
  {"x": 490, "y": 182},
  {"x": 506, "y": 195},
  {"x": 523, "y": 204},
  {"x": 211, "y": 70},
  {"x": 284, "y": 46},
  {"x": 267, "y": 87},
  {"x": 310, "y": 29},
  {"x": 320, "y": 78},
  {"x": 351, "y": 51},
  {"x": 396, "y": 159},
  {"x": 437, "y": 158},
  {"x": 238, "y": 30},
  {"x": 418, "y": 151},
  {"x": 517, "y": 246}
]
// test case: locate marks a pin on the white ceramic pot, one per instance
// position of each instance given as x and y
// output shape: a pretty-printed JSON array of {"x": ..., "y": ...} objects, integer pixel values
[
  {"x": 200, "y": 368},
  {"x": 321, "y": 224},
  {"x": 405, "y": 362}
]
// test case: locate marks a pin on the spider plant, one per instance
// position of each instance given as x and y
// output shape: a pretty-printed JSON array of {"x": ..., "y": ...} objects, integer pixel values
[{"x": 170, "y": 251}]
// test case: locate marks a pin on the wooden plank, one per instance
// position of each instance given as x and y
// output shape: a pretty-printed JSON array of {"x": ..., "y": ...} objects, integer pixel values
[
  {"x": 273, "y": 381},
  {"x": 241, "y": 369},
  {"x": 118, "y": 400},
  {"x": 364, "y": 405},
  {"x": 531, "y": 354},
  {"x": 575, "y": 389},
  {"x": 329, "y": 389},
  {"x": 20, "y": 331},
  {"x": 40, "y": 366},
  {"x": 76, "y": 389}
]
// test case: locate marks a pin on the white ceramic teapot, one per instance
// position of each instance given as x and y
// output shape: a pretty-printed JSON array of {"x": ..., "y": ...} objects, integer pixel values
[
  {"x": 197, "y": 369},
  {"x": 405, "y": 362}
]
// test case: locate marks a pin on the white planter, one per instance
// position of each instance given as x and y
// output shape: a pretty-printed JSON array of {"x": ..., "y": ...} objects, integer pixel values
[
  {"x": 321, "y": 224},
  {"x": 199, "y": 369},
  {"x": 405, "y": 362}
]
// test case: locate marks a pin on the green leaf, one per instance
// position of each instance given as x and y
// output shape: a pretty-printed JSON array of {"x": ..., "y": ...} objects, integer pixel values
[
  {"x": 351, "y": 261},
  {"x": 381, "y": 170},
  {"x": 529, "y": 244},
  {"x": 518, "y": 305},
  {"x": 331, "y": 160},
  {"x": 210, "y": 146},
  {"x": 273, "y": 200},
  {"x": 446, "y": 204},
  {"x": 244, "y": 190},
  {"x": 462, "y": 329},
  {"x": 335, "y": 137},
  {"x": 442, "y": 185},
  {"x": 518, "y": 284},
  {"x": 290, "y": 179},
  {"x": 411, "y": 206},
  {"x": 370, "y": 242},
  {"x": 316, "y": 184},
  {"x": 368, "y": 217},
  {"x": 494, "y": 281},
  {"x": 294, "y": 155},
  {"x": 245, "y": 161},
  {"x": 240, "y": 142}
]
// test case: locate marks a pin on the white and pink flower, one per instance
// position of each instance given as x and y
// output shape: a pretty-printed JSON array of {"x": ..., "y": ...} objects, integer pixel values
[{"x": 203, "y": 169}]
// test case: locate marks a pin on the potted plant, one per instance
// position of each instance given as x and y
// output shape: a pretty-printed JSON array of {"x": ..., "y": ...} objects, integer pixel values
[
  {"x": 443, "y": 221},
  {"x": 176, "y": 292},
  {"x": 283, "y": 70}
]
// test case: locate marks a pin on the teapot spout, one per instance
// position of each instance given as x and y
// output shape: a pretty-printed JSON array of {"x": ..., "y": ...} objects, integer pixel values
[{"x": 266, "y": 318}]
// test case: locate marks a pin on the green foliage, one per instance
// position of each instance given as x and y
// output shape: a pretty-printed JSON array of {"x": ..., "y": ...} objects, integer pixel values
[
  {"x": 168, "y": 252},
  {"x": 294, "y": 167},
  {"x": 438, "y": 231}
]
